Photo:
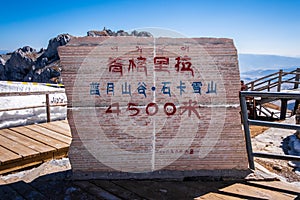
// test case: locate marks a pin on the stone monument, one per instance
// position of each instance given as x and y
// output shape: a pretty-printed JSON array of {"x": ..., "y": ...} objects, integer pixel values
[{"x": 153, "y": 107}]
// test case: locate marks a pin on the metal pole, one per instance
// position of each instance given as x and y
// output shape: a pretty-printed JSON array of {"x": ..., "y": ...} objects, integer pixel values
[
  {"x": 273, "y": 124},
  {"x": 276, "y": 156},
  {"x": 246, "y": 131}
]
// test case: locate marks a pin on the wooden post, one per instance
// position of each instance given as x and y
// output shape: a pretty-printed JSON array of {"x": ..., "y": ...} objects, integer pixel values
[
  {"x": 279, "y": 80},
  {"x": 297, "y": 76},
  {"x": 283, "y": 109},
  {"x": 296, "y": 107},
  {"x": 298, "y": 121},
  {"x": 48, "y": 108},
  {"x": 296, "y": 85},
  {"x": 260, "y": 109},
  {"x": 252, "y": 86},
  {"x": 254, "y": 109}
]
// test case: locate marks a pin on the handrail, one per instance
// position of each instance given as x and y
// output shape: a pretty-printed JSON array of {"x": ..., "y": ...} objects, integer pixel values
[
  {"x": 262, "y": 78},
  {"x": 2, "y": 94},
  {"x": 247, "y": 122},
  {"x": 47, "y": 105},
  {"x": 269, "y": 81},
  {"x": 269, "y": 86},
  {"x": 267, "y": 111}
]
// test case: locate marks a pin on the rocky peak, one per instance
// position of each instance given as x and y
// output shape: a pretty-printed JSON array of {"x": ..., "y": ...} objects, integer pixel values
[
  {"x": 2, "y": 61},
  {"x": 26, "y": 64},
  {"x": 51, "y": 51},
  {"x": 22, "y": 57},
  {"x": 94, "y": 33},
  {"x": 2, "y": 68},
  {"x": 108, "y": 32}
]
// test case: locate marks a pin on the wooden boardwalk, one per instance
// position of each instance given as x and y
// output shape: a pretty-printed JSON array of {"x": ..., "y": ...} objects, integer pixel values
[
  {"x": 60, "y": 186},
  {"x": 26, "y": 146},
  {"x": 30, "y": 145}
]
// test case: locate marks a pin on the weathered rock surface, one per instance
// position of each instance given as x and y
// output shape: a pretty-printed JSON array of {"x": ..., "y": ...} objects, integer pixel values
[
  {"x": 51, "y": 52},
  {"x": 20, "y": 63},
  {"x": 97, "y": 33},
  {"x": 2, "y": 68},
  {"x": 108, "y": 32},
  {"x": 27, "y": 64}
]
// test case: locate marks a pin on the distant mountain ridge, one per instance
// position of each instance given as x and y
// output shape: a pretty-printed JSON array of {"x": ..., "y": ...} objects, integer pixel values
[
  {"x": 256, "y": 74},
  {"x": 254, "y": 66},
  {"x": 250, "y": 62},
  {"x": 4, "y": 52}
]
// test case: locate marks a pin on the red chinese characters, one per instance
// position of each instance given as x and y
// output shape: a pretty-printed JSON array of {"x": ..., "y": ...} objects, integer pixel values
[
  {"x": 184, "y": 64},
  {"x": 152, "y": 109},
  {"x": 139, "y": 64},
  {"x": 161, "y": 64},
  {"x": 115, "y": 65}
]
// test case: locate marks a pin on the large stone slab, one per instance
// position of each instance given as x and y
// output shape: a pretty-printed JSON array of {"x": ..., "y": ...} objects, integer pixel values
[{"x": 153, "y": 107}]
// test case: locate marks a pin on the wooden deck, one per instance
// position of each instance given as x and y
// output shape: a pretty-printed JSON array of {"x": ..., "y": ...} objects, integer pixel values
[
  {"x": 60, "y": 186},
  {"x": 30, "y": 145},
  {"x": 26, "y": 146}
]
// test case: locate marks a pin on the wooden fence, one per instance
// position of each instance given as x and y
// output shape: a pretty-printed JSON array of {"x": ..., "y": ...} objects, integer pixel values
[
  {"x": 273, "y": 83},
  {"x": 275, "y": 80},
  {"x": 48, "y": 105}
]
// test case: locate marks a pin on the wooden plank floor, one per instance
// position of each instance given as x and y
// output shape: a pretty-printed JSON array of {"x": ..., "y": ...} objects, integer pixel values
[
  {"x": 30, "y": 145},
  {"x": 60, "y": 186}
]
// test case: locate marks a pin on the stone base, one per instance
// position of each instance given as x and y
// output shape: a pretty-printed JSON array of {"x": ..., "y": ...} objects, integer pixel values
[{"x": 165, "y": 174}]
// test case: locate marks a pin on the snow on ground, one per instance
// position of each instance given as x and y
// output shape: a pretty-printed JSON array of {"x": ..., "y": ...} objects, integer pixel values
[
  {"x": 280, "y": 142},
  {"x": 271, "y": 140},
  {"x": 49, "y": 167},
  {"x": 33, "y": 115},
  {"x": 266, "y": 112}
]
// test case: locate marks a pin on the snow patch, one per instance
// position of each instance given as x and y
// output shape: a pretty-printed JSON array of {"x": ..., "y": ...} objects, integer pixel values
[{"x": 31, "y": 115}]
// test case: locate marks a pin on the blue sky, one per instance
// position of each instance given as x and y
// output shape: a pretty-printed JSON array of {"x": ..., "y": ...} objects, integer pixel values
[{"x": 257, "y": 26}]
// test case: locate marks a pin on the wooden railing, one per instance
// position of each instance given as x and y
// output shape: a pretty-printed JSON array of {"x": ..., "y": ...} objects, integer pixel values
[
  {"x": 47, "y": 102},
  {"x": 275, "y": 80}
]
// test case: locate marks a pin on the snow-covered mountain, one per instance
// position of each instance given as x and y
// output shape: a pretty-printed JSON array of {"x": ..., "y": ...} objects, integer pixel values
[
  {"x": 253, "y": 66},
  {"x": 250, "y": 62}
]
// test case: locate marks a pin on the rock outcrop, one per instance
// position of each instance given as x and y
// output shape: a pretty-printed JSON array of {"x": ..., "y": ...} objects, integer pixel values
[
  {"x": 2, "y": 68},
  {"x": 26, "y": 64},
  {"x": 51, "y": 52},
  {"x": 20, "y": 63},
  {"x": 108, "y": 32}
]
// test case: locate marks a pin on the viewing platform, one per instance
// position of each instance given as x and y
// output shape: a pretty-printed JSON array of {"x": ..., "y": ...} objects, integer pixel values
[
  {"x": 281, "y": 82},
  {"x": 26, "y": 146}
]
